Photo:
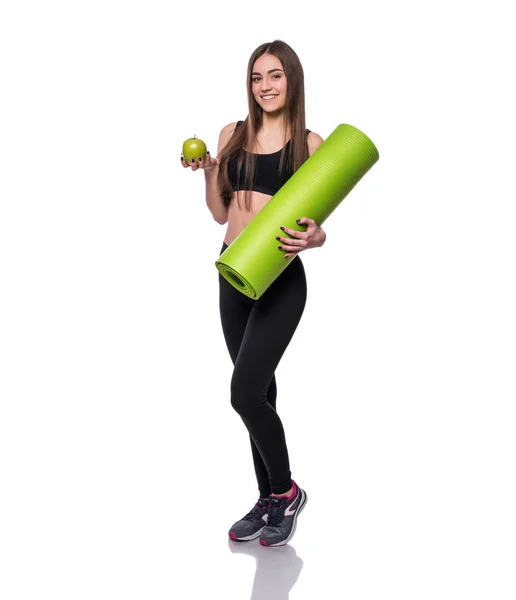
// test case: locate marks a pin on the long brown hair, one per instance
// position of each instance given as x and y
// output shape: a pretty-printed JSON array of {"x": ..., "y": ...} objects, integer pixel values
[{"x": 294, "y": 114}]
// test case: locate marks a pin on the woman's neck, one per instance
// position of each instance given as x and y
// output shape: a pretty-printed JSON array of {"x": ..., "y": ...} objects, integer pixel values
[{"x": 274, "y": 126}]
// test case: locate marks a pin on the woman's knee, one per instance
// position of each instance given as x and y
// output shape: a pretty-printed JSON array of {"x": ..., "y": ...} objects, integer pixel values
[
  {"x": 244, "y": 398},
  {"x": 238, "y": 393}
]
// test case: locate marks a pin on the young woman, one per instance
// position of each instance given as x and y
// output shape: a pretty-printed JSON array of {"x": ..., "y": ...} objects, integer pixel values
[{"x": 255, "y": 158}]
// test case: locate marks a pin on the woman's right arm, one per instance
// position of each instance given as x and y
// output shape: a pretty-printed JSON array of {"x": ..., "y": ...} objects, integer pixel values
[{"x": 213, "y": 199}]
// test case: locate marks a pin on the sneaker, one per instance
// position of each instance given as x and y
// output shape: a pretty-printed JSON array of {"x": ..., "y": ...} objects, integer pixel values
[
  {"x": 283, "y": 513},
  {"x": 250, "y": 526}
]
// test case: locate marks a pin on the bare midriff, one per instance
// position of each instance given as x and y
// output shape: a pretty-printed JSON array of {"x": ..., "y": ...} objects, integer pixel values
[{"x": 238, "y": 217}]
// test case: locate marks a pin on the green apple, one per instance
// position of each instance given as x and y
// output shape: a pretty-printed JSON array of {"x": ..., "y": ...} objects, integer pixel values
[{"x": 193, "y": 148}]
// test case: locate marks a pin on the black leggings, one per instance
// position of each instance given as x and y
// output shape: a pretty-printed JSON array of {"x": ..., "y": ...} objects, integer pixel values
[{"x": 257, "y": 333}]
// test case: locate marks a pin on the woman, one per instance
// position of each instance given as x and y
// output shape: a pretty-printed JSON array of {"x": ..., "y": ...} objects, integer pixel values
[{"x": 257, "y": 332}]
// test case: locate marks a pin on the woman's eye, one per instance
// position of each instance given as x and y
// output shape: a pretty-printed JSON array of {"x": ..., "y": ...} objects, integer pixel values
[{"x": 255, "y": 78}]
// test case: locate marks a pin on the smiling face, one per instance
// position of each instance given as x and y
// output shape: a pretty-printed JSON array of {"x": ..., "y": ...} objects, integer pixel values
[{"x": 268, "y": 78}]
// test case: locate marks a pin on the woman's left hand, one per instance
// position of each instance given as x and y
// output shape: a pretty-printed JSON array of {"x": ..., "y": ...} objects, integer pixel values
[{"x": 313, "y": 237}]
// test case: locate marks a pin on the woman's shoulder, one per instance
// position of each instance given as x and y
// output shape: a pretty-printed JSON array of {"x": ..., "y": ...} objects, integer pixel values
[
  {"x": 230, "y": 127},
  {"x": 226, "y": 133},
  {"x": 314, "y": 141}
]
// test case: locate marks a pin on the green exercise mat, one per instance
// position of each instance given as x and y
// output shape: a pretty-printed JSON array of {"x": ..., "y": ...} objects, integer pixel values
[{"x": 253, "y": 261}]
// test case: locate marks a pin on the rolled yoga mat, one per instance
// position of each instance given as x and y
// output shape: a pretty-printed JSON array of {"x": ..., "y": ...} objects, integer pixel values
[{"x": 253, "y": 261}]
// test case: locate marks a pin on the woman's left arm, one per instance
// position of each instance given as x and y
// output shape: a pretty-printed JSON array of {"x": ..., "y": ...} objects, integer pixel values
[{"x": 314, "y": 236}]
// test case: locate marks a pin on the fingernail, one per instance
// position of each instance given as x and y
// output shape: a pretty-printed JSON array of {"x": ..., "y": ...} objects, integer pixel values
[
  {"x": 298, "y": 221},
  {"x": 282, "y": 228},
  {"x": 279, "y": 247},
  {"x": 193, "y": 160},
  {"x": 277, "y": 237},
  {"x": 200, "y": 158}
]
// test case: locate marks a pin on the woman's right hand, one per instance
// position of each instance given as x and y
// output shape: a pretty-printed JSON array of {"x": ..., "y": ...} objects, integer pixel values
[{"x": 199, "y": 163}]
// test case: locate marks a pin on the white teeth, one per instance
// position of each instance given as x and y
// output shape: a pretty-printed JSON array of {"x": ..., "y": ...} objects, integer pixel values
[{"x": 268, "y": 97}]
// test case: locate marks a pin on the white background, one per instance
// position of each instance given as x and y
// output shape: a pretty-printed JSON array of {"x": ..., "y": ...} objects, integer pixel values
[{"x": 122, "y": 463}]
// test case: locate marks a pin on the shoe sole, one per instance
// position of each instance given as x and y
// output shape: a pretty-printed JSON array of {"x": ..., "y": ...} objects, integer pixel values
[{"x": 302, "y": 504}]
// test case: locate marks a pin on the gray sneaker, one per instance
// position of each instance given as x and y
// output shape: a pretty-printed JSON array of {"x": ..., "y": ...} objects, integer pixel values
[
  {"x": 282, "y": 520},
  {"x": 250, "y": 526}
]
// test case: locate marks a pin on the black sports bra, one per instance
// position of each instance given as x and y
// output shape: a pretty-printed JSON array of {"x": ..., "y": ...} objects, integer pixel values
[{"x": 267, "y": 178}]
